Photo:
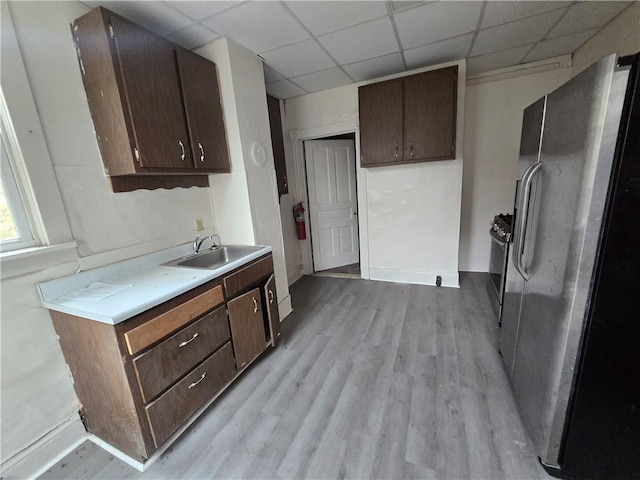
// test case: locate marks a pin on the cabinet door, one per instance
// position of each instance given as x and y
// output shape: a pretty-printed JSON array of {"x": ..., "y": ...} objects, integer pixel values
[
  {"x": 381, "y": 123},
  {"x": 203, "y": 109},
  {"x": 273, "y": 315},
  {"x": 277, "y": 142},
  {"x": 152, "y": 90},
  {"x": 430, "y": 115},
  {"x": 247, "y": 327}
]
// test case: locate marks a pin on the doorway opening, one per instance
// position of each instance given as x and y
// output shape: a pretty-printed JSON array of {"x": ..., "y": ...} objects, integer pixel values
[{"x": 330, "y": 168}]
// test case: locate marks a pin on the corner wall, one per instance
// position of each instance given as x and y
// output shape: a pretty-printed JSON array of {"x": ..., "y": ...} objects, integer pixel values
[
  {"x": 621, "y": 36},
  {"x": 493, "y": 123},
  {"x": 409, "y": 215},
  {"x": 247, "y": 200}
]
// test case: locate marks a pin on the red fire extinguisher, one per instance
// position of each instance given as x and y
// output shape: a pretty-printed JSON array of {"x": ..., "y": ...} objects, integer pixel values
[{"x": 298, "y": 214}]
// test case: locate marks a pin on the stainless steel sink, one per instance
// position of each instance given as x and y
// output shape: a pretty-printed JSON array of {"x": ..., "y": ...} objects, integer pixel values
[{"x": 216, "y": 258}]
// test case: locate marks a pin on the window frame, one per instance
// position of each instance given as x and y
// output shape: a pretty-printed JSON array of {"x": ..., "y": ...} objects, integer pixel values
[
  {"x": 33, "y": 167},
  {"x": 12, "y": 192}
]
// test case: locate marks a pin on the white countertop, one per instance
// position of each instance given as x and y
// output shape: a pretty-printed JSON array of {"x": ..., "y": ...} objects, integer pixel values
[{"x": 117, "y": 292}]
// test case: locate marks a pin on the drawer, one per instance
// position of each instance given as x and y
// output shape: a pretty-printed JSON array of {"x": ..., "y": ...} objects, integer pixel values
[
  {"x": 142, "y": 336},
  {"x": 248, "y": 276},
  {"x": 157, "y": 368},
  {"x": 173, "y": 408}
]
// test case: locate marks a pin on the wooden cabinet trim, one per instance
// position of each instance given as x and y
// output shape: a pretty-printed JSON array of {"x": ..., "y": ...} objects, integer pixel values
[
  {"x": 150, "y": 332},
  {"x": 248, "y": 276}
]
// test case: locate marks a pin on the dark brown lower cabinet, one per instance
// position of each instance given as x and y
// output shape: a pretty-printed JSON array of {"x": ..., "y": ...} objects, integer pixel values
[
  {"x": 271, "y": 297},
  {"x": 139, "y": 381},
  {"x": 173, "y": 408},
  {"x": 247, "y": 326}
]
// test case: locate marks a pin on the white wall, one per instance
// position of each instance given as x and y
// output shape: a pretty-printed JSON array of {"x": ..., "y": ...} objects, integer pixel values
[
  {"x": 411, "y": 212},
  {"x": 253, "y": 209},
  {"x": 621, "y": 36},
  {"x": 38, "y": 402},
  {"x": 493, "y": 123},
  {"x": 39, "y": 406}
]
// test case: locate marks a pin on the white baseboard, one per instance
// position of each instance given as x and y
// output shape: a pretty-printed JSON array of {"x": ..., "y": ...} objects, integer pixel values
[
  {"x": 284, "y": 307},
  {"x": 46, "y": 451},
  {"x": 449, "y": 279},
  {"x": 295, "y": 275}
]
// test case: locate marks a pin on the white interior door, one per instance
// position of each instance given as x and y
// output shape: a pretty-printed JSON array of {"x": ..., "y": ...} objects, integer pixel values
[{"x": 333, "y": 205}]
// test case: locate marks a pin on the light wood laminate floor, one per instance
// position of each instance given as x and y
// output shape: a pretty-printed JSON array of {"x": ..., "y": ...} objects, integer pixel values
[{"x": 370, "y": 380}]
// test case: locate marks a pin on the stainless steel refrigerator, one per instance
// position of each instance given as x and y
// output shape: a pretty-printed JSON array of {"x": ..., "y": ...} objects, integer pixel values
[{"x": 570, "y": 336}]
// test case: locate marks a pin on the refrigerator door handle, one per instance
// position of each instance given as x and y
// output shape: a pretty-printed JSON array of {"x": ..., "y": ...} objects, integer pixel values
[
  {"x": 527, "y": 178},
  {"x": 519, "y": 220}
]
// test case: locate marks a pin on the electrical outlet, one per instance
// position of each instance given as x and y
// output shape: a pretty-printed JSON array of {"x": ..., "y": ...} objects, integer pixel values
[{"x": 199, "y": 225}]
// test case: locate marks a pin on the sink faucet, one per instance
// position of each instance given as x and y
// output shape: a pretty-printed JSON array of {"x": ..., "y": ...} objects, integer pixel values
[{"x": 197, "y": 243}]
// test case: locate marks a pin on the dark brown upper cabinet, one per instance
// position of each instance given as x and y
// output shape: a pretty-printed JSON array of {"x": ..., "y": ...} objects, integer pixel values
[
  {"x": 202, "y": 105},
  {"x": 155, "y": 107},
  {"x": 277, "y": 143},
  {"x": 409, "y": 119}
]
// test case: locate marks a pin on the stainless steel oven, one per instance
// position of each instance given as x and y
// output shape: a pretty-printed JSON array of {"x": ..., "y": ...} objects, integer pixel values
[{"x": 500, "y": 233}]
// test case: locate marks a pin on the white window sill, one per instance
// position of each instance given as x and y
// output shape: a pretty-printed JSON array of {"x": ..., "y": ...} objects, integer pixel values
[{"x": 27, "y": 260}]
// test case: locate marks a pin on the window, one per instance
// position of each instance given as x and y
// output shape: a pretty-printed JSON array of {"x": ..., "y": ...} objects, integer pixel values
[{"x": 15, "y": 230}]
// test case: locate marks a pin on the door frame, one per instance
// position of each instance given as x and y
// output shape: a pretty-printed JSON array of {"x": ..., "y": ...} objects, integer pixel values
[
  {"x": 309, "y": 158},
  {"x": 297, "y": 138}
]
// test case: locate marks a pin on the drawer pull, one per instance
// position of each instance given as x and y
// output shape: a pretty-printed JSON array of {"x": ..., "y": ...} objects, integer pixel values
[
  {"x": 198, "y": 381},
  {"x": 271, "y": 295},
  {"x": 201, "y": 151},
  {"x": 187, "y": 342},
  {"x": 255, "y": 305}
]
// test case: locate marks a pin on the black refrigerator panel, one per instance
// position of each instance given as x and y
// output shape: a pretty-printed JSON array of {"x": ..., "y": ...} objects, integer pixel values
[{"x": 602, "y": 434}]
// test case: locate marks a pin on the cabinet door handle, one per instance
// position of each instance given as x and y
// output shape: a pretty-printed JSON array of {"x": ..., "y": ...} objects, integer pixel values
[
  {"x": 187, "y": 342},
  {"x": 198, "y": 381},
  {"x": 271, "y": 296},
  {"x": 396, "y": 154},
  {"x": 201, "y": 151},
  {"x": 255, "y": 305},
  {"x": 411, "y": 151},
  {"x": 182, "y": 155}
]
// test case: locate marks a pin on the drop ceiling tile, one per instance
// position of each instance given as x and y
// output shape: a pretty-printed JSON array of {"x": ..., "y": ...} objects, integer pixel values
[
  {"x": 259, "y": 26},
  {"x": 445, "y": 51},
  {"x": 284, "y": 89},
  {"x": 401, "y": 4},
  {"x": 587, "y": 15},
  {"x": 559, "y": 46},
  {"x": 202, "y": 9},
  {"x": 195, "y": 35},
  {"x": 324, "y": 80},
  {"x": 436, "y": 21},
  {"x": 500, "y": 12},
  {"x": 155, "y": 16},
  {"x": 298, "y": 59},
  {"x": 368, "y": 40},
  {"x": 376, "y": 67},
  {"x": 324, "y": 17},
  {"x": 497, "y": 60},
  {"x": 514, "y": 34},
  {"x": 270, "y": 75}
]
